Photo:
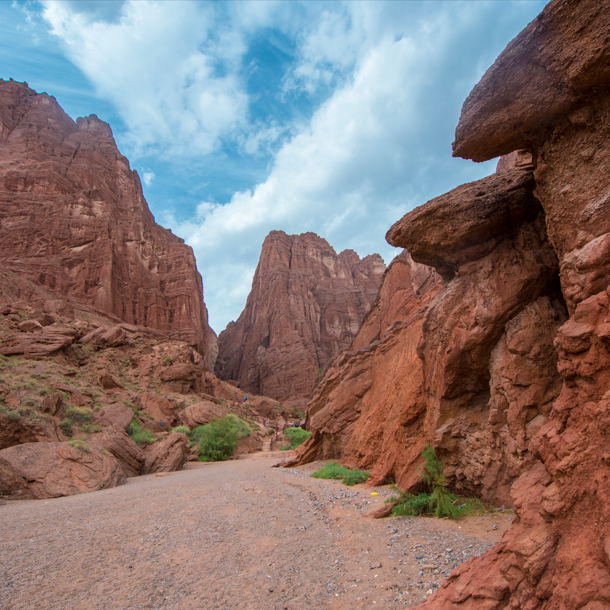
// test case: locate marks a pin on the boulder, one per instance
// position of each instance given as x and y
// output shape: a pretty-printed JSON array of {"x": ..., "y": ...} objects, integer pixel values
[
  {"x": 39, "y": 344},
  {"x": 158, "y": 407},
  {"x": 50, "y": 470},
  {"x": 59, "y": 308},
  {"x": 29, "y": 325},
  {"x": 115, "y": 440},
  {"x": 116, "y": 415},
  {"x": 107, "y": 381},
  {"x": 52, "y": 403},
  {"x": 201, "y": 413},
  {"x": 166, "y": 455},
  {"x": 113, "y": 337}
]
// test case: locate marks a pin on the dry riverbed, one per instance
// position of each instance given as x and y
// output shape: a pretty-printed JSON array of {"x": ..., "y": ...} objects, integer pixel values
[{"x": 235, "y": 534}]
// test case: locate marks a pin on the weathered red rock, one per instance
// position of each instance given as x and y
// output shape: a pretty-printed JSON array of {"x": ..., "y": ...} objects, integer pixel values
[
  {"x": 555, "y": 555},
  {"x": 37, "y": 344},
  {"x": 116, "y": 414},
  {"x": 541, "y": 77},
  {"x": 50, "y": 470},
  {"x": 305, "y": 306},
  {"x": 21, "y": 430},
  {"x": 445, "y": 364},
  {"x": 201, "y": 413},
  {"x": 75, "y": 221},
  {"x": 166, "y": 455},
  {"x": 52, "y": 403},
  {"x": 158, "y": 407},
  {"x": 115, "y": 440}
]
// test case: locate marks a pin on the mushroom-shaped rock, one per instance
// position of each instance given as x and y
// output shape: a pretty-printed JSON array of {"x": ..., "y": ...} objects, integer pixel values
[
  {"x": 50, "y": 470},
  {"x": 201, "y": 413},
  {"x": 468, "y": 222},
  {"x": 544, "y": 73},
  {"x": 166, "y": 455}
]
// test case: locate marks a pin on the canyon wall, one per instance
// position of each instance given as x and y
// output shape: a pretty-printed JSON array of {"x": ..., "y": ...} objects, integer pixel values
[
  {"x": 548, "y": 92},
  {"x": 74, "y": 220},
  {"x": 305, "y": 306},
  {"x": 512, "y": 371}
]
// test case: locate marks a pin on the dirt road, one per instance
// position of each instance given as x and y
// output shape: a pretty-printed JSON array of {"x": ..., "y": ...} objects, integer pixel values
[{"x": 235, "y": 534}]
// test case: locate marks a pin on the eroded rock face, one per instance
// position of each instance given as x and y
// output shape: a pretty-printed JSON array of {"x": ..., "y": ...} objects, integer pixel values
[
  {"x": 556, "y": 553},
  {"x": 75, "y": 221},
  {"x": 305, "y": 306},
  {"x": 51, "y": 470},
  {"x": 116, "y": 441},
  {"x": 467, "y": 364}
]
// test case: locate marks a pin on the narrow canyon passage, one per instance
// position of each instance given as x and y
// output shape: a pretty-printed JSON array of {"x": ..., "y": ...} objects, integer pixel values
[{"x": 235, "y": 534}]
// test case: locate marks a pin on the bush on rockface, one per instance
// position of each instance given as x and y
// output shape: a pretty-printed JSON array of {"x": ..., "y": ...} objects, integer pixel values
[
  {"x": 218, "y": 439},
  {"x": 139, "y": 436},
  {"x": 296, "y": 437},
  {"x": 439, "y": 502}
]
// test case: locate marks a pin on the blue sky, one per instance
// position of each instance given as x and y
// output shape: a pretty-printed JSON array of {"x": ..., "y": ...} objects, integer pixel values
[{"x": 244, "y": 117}]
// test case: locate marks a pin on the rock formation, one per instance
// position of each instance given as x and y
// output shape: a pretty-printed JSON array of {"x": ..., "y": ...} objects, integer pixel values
[
  {"x": 73, "y": 219},
  {"x": 305, "y": 306},
  {"x": 449, "y": 357},
  {"x": 557, "y": 554}
]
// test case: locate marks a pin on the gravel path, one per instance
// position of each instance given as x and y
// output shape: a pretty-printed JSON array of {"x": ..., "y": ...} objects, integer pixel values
[{"x": 235, "y": 534}]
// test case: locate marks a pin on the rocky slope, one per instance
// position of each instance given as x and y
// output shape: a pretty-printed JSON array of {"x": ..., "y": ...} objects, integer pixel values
[
  {"x": 73, "y": 219},
  {"x": 305, "y": 306},
  {"x": 65, "y": 405}
]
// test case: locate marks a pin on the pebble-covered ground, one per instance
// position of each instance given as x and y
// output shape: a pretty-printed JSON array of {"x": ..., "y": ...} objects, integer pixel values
[{"x": 236, "y": 534}]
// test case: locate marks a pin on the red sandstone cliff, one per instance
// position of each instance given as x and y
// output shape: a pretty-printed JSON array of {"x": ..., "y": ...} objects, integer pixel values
[
  {"x": 74, "y": 220},
  {"x": 548, "y": 92},
  {"x": 511, "y": 379},
  {"x": 305, "y": 306}
]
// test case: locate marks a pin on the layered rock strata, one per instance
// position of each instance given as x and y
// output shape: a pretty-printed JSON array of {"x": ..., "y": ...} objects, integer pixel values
[
  {"x": 305, "y": 306},
  {"x": 73, "y": 220}
]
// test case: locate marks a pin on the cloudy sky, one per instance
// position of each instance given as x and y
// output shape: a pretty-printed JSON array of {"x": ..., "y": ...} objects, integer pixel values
[{"x": 244, "y": 117}]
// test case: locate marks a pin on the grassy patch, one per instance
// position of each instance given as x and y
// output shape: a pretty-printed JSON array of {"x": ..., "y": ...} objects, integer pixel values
[
  {"x": 333, "y": 470},
  {"x": 79, "y": 415},
  {"x": 90, "y": 428},
  {"x": 182, "y": 430},
  {"x": 65, "y": 426},
  {"x": 80, "y": 445}
]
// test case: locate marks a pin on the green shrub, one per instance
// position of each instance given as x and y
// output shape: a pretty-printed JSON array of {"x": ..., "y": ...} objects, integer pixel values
[
  {"x": 139, "y": 436},
  {"x": 182, "y": 430},
  {"x": 270, "y": 432},
  {"x": 91, "y": 428},
  {"x": 218, "y": 439},
  {"x": 14, "y": 415},
  {"x": 66, "y": 426},
  {"x": 333, "y": 470},
  {"x": 296, "y": 436},
  {"x": 439, "y": 502}
]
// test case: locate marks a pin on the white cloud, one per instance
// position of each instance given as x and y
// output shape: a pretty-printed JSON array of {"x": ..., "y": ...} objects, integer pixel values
[
  {"x": 165, "y": 66},
  {"x": 148, "y": 177},
  {"x": 396, "y": 75}
]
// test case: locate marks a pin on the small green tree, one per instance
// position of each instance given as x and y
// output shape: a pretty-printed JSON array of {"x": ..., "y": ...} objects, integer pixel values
[{"x": 218, "y": 439}]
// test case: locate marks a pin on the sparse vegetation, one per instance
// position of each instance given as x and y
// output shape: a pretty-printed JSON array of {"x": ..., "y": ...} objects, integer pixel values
[
  {"x": 65, "y": 426},
  {"x": 140, "y": 437},
  {"x": 439, "y": 502},
  {"x": 296, "y": 437},
  {"x": 333, "y": 470},
  {"x": 90, "y": 428},
  {"x": 80, "y": 445},
  {"x": 79, "y": 415}
]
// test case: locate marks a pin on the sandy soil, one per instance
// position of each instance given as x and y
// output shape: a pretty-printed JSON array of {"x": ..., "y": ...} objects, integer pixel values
[{"x": 235, "y": 534}]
